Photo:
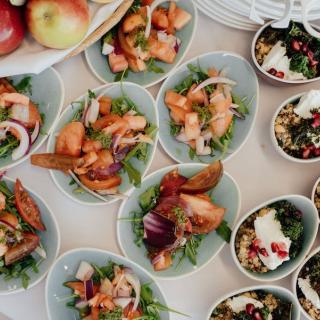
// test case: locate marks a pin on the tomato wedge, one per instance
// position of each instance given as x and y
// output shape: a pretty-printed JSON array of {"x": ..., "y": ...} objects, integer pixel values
[
  {"x": 27, "y": 207},
  {"x": 10, "y": 219},
  {"x": 28, "y": 244}
]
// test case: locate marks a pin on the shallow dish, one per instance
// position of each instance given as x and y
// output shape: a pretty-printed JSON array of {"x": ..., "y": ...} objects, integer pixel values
[
  {"x": 266, "y": 75},
  {"x": 280, "y": 292},
  {"x": 310, "y": 228},
  {"x": 274, "y": 138},
  {"x": 66, "y": 267},
  {"x": 99, "y": 65},
  {"x": 212, "y": 243},
  {"x": 313, "y": 195},
  {"x": 49, "y": 102},
  {"x": 49, "y": 238},
  {"x": 239, "y": 70},
  {"x": 295, "y": 281},
  {"x": 145, "y": 103}
]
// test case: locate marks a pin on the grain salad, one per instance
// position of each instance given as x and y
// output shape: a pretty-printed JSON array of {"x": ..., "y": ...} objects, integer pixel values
[
  {"x": 257, "y": 304},
  {"x": 297, "y": 126},
  {"x": 269, "y": 237},
  {"x": 317, "y": 198},
  {"x": 308, "y": 287}
]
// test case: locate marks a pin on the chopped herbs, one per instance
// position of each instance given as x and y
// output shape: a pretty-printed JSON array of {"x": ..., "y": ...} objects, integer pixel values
[
  {"x": 179, "y": 213},
  {"x": 122, "y": 105},
  {"x": 98, "y": 135},
  {"x": 152, "y": 67},
  {"x": 141, "y": 41},
  {"x": 174, "y": 128},
  {"x": 203, "y": 113}
]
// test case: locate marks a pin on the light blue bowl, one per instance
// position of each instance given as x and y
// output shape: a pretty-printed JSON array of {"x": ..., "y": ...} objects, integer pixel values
[
  {"x": 48, "y": 93},
  {"x": 65, "y": 268},
  {"x": 146, "y": 105},
  {"x": 226, "y": 194},
  {"x": 50, "y": 239},
  {"x": 277, "y": 291},
  {"x": 240, "y": 71},
  {"x": 310, "y": 221},
  {"x": 98, "y": 63}
]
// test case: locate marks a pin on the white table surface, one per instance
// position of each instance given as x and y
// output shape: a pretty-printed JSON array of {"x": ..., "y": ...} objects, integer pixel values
[{"x": 259, "y": 170}]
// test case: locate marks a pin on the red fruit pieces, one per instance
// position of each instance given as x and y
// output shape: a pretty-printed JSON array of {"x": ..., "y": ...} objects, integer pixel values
[
  {"x": 250, "y": 308},
  {"x": 264, "y": 252},
  {"x": 282, "y": 254},
  {"x": 252, "y": 253}
]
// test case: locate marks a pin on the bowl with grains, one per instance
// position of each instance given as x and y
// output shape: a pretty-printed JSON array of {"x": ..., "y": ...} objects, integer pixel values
[
  {"x": 295, "y": 128},
  {"x": 272, "y": 240},
  {"x": 256, "y": 303},
  {"x": 315, "y": 196},
  {"x": 306, "y": 285}
]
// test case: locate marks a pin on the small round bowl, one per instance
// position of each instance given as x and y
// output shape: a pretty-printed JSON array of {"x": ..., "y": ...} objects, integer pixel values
[
  {"x": 49, "y": 102},
  {"x": 99, "y": 65},
  {"x": 145, "y": 104},
  {"x": 280, "y": 292},
  {"x": 273, "y": 135},
  {"x": 295, "y": 280},
  {"x": 310, "y": 222},
  {"x": 225, "y": 194},
  {"x": 263, "y": 73},
  {"x": 49, "y": 238},
  {"x": 314, "y": 192},
  {"x": 66, "y": 267},
  {"x": 240, "y": 71}
]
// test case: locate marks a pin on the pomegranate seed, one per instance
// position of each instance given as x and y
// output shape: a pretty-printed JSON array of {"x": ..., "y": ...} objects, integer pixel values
[
  {"x": 252, "y": 253},
  {"x": 282, "y": 254},
  {"x": 298, "y": 214},
  {"x": 316, "y": 123},
  {"x": 255, "y": 244},
  {"x": 310, "y": 55},
  {"x": 313, "y": 63},
  {"x": 257, "y": 316},
  {"x": 264, "y": 252},
  {"x": 306, "y": 153},
  {"x": 304, "y": 48},
  {"x": 316, "y": 115},
  {"x": 282, "y": 246},
  {"x": 250, "y": 308},
  {"x": 272, "y": 71},
  {"x": 295, "y": 45},
  {"x": 316, "y": 152},
  {"x": 280, "y": 74},
  {"x": 274, "y": 247},
  {"x": 311, "y": 147}
]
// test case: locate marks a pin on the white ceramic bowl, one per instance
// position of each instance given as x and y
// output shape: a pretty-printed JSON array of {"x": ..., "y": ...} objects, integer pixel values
[
  {"x": 295, "y": 280},
  {"x": 266, "y": 75},
  {"x": 314, "y": 191},
  {"x": 273, "y": 135},
  {"x": 276, "y": 290},
  {"x": 310, "y": 222}
]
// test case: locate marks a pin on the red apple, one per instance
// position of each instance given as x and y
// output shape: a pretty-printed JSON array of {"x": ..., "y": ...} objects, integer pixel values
[
  {"x": 11, "y": 27},
  {"x": 58, "y": 24}
]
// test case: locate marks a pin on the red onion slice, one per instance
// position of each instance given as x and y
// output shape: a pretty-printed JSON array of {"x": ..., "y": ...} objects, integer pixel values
[
  {"x": 10, "y": 227},
  {"x": 237, "y": 114},
  {"x": 135, "y": 283},
  {"x": 25, "y": 140},
  {"x": 92, "y": 113},
  {"x": 88, "y": 289},
  {"x": 213, "y": 80},
  {"x": 35, "y": 132},
  {"x": 81, "y": 304},
  {"x": 122, "y": 302}
]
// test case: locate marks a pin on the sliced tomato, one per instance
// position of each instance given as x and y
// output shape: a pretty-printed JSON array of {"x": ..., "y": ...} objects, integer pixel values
[
  {"x": 27, "y": 207},
  {"x": 9, "y": 218},
  {"x": 127, "y": 312},
  {"x": 28, "y": 244}
]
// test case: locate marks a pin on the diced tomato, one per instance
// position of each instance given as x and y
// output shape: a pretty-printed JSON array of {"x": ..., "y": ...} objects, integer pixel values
[
  {"x": 110, "y": 182},
  {"x": 105, "y": 121},
  {"x": 146, "y": 2},
  {"x": 161, "y": 50},
  {"x": 175, "y": 98},
  {"x": 9, "y": 218},
  {"x": 182, "y": 17},
  {"x": 197, "y": 97},
  {"x": 171, "y": 182},
  {"x": 177, "y": 113},
  {"x": 117, "y": 62},
  {"x": 187, "y": 106},
  {"x": 159, "y": 19},
  {"x": 28, "y": 244},
  {"x": 27, "y": 207},
  {"x": 105, "y": 105},
  {"x": 95, "y": 313}
]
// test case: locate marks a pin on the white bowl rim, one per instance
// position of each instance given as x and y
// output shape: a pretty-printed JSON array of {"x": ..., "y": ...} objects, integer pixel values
[
  {"x": 252, "y": 275},
  {"x": 274, "y": 139},
  {"x": 110, "y": 254},
  {"x": 252, "y": 288},
  {"x": 254, "y": 59},
  {"x": 171, "y": 167},
  {"x": 53, "y": 124},
  {"x": 314, "y": 189},
  {"x": 220, "y": 52},
  {"x": 101, "y": 87},
  {"x": 56, "y": 226},
  {"x": 294, "y": 280},
  {"x": 169, "y": 72}
]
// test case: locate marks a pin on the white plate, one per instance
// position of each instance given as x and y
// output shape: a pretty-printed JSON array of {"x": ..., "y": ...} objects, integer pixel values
[{"x": 224, "y": 20}]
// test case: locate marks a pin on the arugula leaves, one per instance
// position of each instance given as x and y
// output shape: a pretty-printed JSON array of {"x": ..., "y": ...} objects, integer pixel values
[
  {"x": 24, "y": 86},
  {"x": 224, "y": 231},
  {"x": 152, "y": 67},
  {"x": 121, "y": 75},
  {"x": 300, "y": 63},
  {"x": 185, "y": 85},
  {"x": 98, "y": 135},
  {"x": 174, "y": 128},
  {"x": 133, "y": 174},
  {"x": 122, "y": 105}
]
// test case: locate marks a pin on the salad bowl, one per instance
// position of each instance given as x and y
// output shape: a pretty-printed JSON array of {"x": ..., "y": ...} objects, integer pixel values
[
  {"x": 315, "y": 195},
  {"x": 50, "y": 241},
  {"x": 101, "y": 69},
  {"x": 295, "y": 282},
  {"x": 281, "y": 78},
  {"x": 261, "y": 264},
  {"x": 281, "y": 125},
  {"x": 48, "y": 102},
  {"x": 65, "y": 268},
  {"x": 244, "y": 87},
  {"x": 145, "y": 105},
  {"x": 276, "y": 291},
  {"x": 226, "y": 194}
]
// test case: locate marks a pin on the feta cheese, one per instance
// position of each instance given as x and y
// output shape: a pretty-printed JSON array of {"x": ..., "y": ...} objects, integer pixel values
[
  {"x": 308, "y": 102},
  {"x": 315, "y": 139},
  {"x": 278, "y": 60},
  {"x": 309, "y": 292},
  {"x": 238, "y": 304},
  {"x": 268, "y": 230}
]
